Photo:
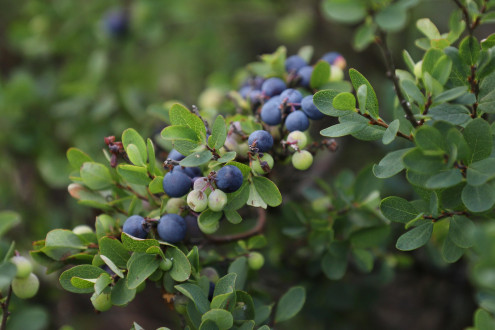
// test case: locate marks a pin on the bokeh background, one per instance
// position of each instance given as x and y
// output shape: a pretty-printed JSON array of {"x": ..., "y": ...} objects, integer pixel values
[{"x": 66, "y": 81}]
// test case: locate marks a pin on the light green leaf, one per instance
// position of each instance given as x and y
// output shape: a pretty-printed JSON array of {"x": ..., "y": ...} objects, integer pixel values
[
  {"x": 112, "y": 266},
  {"x": 134, "y": 155},
  {"x": 137, "y": 244},
  {"x": 96, "y": 176},
  {"x": 218, "y": 133},
  {"x": 344, "y": 102},
  {"x": 344, "y": 11},
  {"x": 428, "y": 28},
  {"x": 179, "y": 132},
  {"x": 222, "y": 318},
  {"x": 320, "y": 75},
  {"x": 197, "y": 159},
  {"x": 357, "y": 80},
  {"x": 194, "y": 292},
  {"x": 77, "y": 157},
  {"x": 412, "y": 91},
  {"x": 343, "y": 129},
  {"x": 82, "y": 271},
  {"x": 267, "y": 190},
  {"x": 134, "y": 174},
  {"x": 8, "y": 219},
  {"x": 233, "y": 217},
  {"x": 227, "y": 157},
  {"x": 131, "y": 136},
  {"x": 208, "y": 221},
  {"x": 114, "y": 250},
  {"x": 180, "y": 115},
  {"x": 390, "y": 165},
  {"x": 469, "y": 50},
  {"x": 240, "y": 268},
  {"x": 324, "y": 102}
]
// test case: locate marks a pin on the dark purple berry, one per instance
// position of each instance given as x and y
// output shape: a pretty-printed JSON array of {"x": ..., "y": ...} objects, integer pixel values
[
  {"x": 229, "y": 178},
  {"x": 297, "y": 121},
  {"x": 294, "y": 63},
  {"x": 273, "y": 86},
  {"x": 261, "y": 140},
  {"x": 135, "y": 226},
  {"x": 310, "y": 108},
  {"x": 171, "y": 228},
  {"x": 304, "y": 74},
  {"x": 176, "y": 183}
]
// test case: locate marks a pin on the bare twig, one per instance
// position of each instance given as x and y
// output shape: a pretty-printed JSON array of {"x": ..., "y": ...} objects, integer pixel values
[
  {"x": 381, "y": 41},
  {"x": 445, "y": 215},
  {"x": 5, "y": 309},
  {"x": 257, "y": 229}
]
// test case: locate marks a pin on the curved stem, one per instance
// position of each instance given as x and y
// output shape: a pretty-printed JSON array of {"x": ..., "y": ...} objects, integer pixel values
[{"x": 257, "y": 229}]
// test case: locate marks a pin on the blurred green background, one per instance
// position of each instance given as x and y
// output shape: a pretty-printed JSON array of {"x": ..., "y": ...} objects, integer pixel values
[{"x": 66, "y": 81}]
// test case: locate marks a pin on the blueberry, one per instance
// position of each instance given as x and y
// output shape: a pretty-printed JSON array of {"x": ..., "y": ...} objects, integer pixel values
[
  {"x": 192, "y": 228},
  {"x": 331, "y": 57},
  {"x": 294, "y": 63},
  {"x": 255, "y": 96},
  {"x": 244, "y": 91},
  {"x": 116, "y": 22},
  {"x": 291, "y": 97},
  {"x": 229, "y": 178},
  {"x": 135, "y": 226},
  {"x": 176, "y": 183},
  {"x": 211, "y": 290},
  {"x": 171, "y": 228},
  {"x": 193, "y": 172},
  {"x": 297, "y": 121},
  {"x": 261, "y": 140},
  {"x": 270, "y": 112},
  {"x": 175, "y": 155},
  {"x": 304, "y": 74},
  {"x": 310, "y": 108},
  {"x": 273, "y": 86}
]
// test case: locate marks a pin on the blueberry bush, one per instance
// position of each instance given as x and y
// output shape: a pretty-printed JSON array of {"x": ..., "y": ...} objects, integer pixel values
[{"x": 189, "y": 212}]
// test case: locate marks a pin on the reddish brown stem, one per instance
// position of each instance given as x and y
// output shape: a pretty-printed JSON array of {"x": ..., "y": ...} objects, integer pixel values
[{"x": 5, "y": 309}]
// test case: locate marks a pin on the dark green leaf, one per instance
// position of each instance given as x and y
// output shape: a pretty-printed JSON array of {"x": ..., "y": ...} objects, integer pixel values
[
  {"x": 415, "y": 238},
  {"x": 267, "y": 190},
  {"x": 450, "y": 251},
  {"x": 82, "y": 271},
  {"x": 428, "y": 28},
  {"x": 141, "y": 266},
  {"x": 131, "y": 136},
  {"x": 478, "y": 198},
  {"x": 481, "y": 171},
  {"x": 370, "y": 237},
  {"x": 345, "y": 11},
  {"x": 197, "y": 296},
  {"x": 324, "y": 102},
  {"x": 334, "y": 262},
  {"x": 233, "y": 217},
  {"x": 391, "y": 164},
  {"x": 391, "y": 132},
  {"x": 8, "y": 219},
  {"x": 444, "y": 179},
  {"x": 357, "y": 80},
  {"x": 240, "y": 268},
  {"x": 320, "y": 75},
  {"x": 479, "y": 139},
  {"x": 222, "y": 318},
  {"x": 343, "y": 129},
  {"x": 290, "y": 304},
  {"x": 416, "y": 161},
  {"x": 461, "y": 231},
  {"x": 208, "y": 221},
  {"x": 453, "y": 113},
  {"x": 391, "y": 18},
  {"x": 181, "y": 267},
  {"x": 412, "y": 91},
  {"x": 398, "y": 209},
  {"x": 114, "y": 250},
  {"x": 469, "y": 50},
  {"x": 121, "y": 295},
  {"x": 197, "y": 159},
  {"x": 237, "y": 199}
]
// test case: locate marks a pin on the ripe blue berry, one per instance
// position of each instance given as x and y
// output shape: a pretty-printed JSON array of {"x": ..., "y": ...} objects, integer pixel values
[
  {"x": 244, "y": 91},
  {"x": 254, "y": 96},
  {"x": 175, "y": 155},
  {"x": 291, "y": 97},
  {"x": 304, "y": 74},
  {"x": 229, "y": 178},
  {"x": 116, "y": 23},
  {"x": 297, "y": 121},
  {"x": 171, "y": 228},
  {"x": 192, "y": 228},
  {"x": 273, "y": 86},
  {"x": 261, "y": 140},
  {"x": 294, "y": 63},
  {"x": 270, "y": 112},
  {"x": 310, "y": 108},
  {"x": 193, "y": 172},
  {"x": 334, "y": 58},
  {"x": 135, "y": 226},
  {"x": 176, "y": 183}
]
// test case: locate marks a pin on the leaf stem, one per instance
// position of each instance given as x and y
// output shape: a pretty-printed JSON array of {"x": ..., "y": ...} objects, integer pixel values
[
  {"x": 445, "y": 215},
  {"x": 381, "y": 123},
  {"x": 381, "y": 41}
]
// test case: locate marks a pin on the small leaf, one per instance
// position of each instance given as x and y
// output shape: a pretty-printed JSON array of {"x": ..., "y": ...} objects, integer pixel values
[
  {"x": 134, "y": 155},
  {"x": 428, "y": 28},
  {"x": 96, "y": 176},
  {"x": 141, "y": 266},
  {"x": 8, "y": 219},
  {"x": 344, "y": 102},
  {"x": 114, "y": 250},
  {"x": 320, "y": 75},
  {"x": 233, "y": 217},
  {"x": 290, "y": 304},
  {"x": 412, "y": 91},
  {"x": 218, "y": 133},
  {"x": 345, "y": 11},
  {"x": 267, "y": 190},
  {"x": 134, "y": 174},
  {"x": 479, "y": 139},
  {"x": 444, "y": 179},
  {"x": 391, "y": 164},
  {"x": 478, "y": 198},
  {"x": 343, "y": 129},
  {"x": 461, "y": 231},
  {"x": 121, "y": 295},
  {"x": 196, "y": 295},
  {"x": 131, "y": 136},
  {"x": 197, "y": 159},
  {"x": 240, "y": 268},
  {"x": 429, "y": 140},
  {"x": 112, "y": 266},
  {"x": 415, "y": 238},
  {"x": 481, "y": 171},
  {"x": 398, "y": 209},
  {"x": 469, "y": 50},
  {"x": 324, "y": 102},
  {"x": 82, "y": 271},
  {"x": 334, "y": 262},
  {"x": 77, "y": 158},
  {"x": 181, "y": 267},
  {"x": 208, "y": 221},
  {"x": 137, "y": 244},
  {"x": 178, "y": 132},
  {"x": 227, "y": 157},
  {"x": 180, "y": 115},
  {"x": 222, "y": 318},
  {"x": 450, "y": 251},
  {"x": 357, "y": 80},
  {"x": 391, "y": 132}
]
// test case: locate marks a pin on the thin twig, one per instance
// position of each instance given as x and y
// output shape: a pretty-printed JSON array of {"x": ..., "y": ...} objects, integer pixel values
[
  {"x": 465, "y": 14},
  {"x": 5, "y": 309},
  {"x": 381, "y": 41},
  {"x": 445, "y": 215},
  {"x": 196, "y": 112},
  {"x": 381, "y": 123},
  {"x": 257, "y": 229}
]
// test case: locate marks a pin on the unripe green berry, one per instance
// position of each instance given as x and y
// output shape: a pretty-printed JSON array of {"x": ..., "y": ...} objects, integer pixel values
[
  {"x": 101, "y": 302},
  {"x": 25, "y": 288},
  {"x": 174, "y": 205},
  {"x": 256, "y": 165},
  {"x": 24, "y": 266},
  {"x": 197, "y": 200},
  {"x": 255, "y": 260},
  {"x": 82, "y": 229},
  {"x": 166, "y": 265},
  {"x": 336, "y": 73},
  {"x": 217, "y": 200},
  {"x": 299, "y": 138},
  {"x": 200, "y": 184},
  {"x": 302, "y": 160},
  {"x": 418, "y": 69}
]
